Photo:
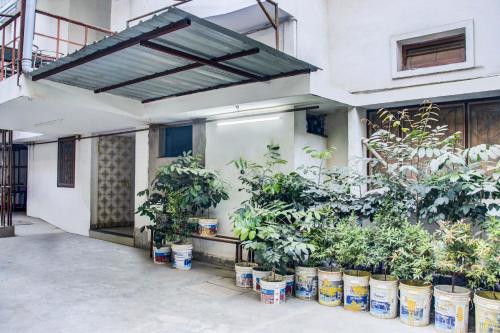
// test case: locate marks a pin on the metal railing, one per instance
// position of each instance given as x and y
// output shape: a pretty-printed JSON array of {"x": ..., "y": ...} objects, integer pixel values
[{"x": 60, "y": 41}]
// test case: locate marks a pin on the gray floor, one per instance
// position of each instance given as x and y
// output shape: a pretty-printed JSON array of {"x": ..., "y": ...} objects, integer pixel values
[{"x": 52, "y": 281}]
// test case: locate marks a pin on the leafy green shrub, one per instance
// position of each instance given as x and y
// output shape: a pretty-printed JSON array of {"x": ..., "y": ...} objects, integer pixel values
[
  {"x": 413, "y": 258},
  {"x": 486, "y": 272},
  {"x": 181, "y": 188},
  {"x": 456, "y": 249},
  {"x": 351, "y": 249}
]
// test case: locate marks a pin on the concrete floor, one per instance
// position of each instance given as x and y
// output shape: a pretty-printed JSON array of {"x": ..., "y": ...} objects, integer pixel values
[{"x": 52, "y": 281}]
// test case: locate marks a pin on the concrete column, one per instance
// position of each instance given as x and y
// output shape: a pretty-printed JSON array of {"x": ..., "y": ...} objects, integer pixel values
[
  {"x": 141, "y": 183},
  {"x": 356, "y": 129}
]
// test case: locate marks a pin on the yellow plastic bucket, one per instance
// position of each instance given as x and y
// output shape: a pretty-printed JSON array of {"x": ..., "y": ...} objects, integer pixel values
[
  {"x": 330, "y": 286},
  {"x": 356, "y": 295},
  {"x": 487, "y": 311},
  {"x": 415, "y": 302},
  {"x": 384, "y": 296},
  {"x": 451, "y": 309}
]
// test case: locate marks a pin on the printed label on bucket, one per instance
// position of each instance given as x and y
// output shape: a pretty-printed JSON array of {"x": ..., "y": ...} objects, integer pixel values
[
  {"x": 289, "y": 287},
  {"x": 445, "y": 322},
  {"x": 306, "y": 287},
  {"x": 356, "y": 302},
  {"x": 162, "y": 257},
  {"x": 244, "y": 280},
  {"x": 330, "y": 291},
  {"x": 381, "y": 308},
  {"x": 209, "y": 229},
  {"x": 271, "y": 296},
  {"x": 406, "y": 313}
]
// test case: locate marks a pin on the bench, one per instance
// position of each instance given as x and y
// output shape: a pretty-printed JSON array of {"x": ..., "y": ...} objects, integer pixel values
[{"x": 238, "y": 257}]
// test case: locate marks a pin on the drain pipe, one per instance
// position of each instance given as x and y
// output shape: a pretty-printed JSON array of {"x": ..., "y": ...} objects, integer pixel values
[{"x": 28, "y": 35}]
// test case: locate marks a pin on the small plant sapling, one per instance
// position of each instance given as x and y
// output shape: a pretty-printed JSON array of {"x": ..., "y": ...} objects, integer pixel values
[{"x": 456, "y": 249}]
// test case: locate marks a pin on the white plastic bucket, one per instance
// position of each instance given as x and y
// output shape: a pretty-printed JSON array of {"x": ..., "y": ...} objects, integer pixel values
[
  {"x": 244, "y": 274},
  {"x": 306, "y": 283},
  {"x": 257, "y": 274},
  {"x": 182, "y": 256},
  {"x": 161, "y": 255},
  {"x": 487, "y": 312},
  {"x": 356, "y": 295},
  {"x": 415, "y": 302},
  {"x": 451, "y": 309},
  {"x": 290, "y": 282},
  {"x": 384, "y": 296},
  {"x": 330, "y": 286},
  {"x": 207, "y": 227},
  {"x": 272, "y": 291}
]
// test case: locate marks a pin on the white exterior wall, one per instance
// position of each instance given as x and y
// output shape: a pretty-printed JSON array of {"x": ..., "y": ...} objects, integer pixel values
[
  {"x": 227, "y": 143},
  {"x": 361, "y": 31},
  {"x": 66, "y": 208}
]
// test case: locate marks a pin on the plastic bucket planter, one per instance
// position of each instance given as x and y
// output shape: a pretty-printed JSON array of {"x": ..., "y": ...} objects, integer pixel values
[
  {"x": 487, "y": 311},
  {"x": 244, "y": 274},
  {"x": 415, "y": 302},
  {"x": 330, "y": 286},
  {"x": 306, "y": 283},
  {"x": 182, "y": 256},
  {"x": 384, "y": 296},
  {"x": 257, "y": 274},
  {"x": 356, "y": 294},
  {"x": 207, "y": 227},
  {"x": 452, "y": 309},
  {"x": 289, "y": 277},
  {"x": 161, "y": 255},
  {"x": 272, "y": 290}
]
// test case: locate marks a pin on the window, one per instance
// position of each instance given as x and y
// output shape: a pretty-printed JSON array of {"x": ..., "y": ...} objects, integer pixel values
[
  {"x": 316, "y": 124},
  {"x": 441, "y": 51},
  {"x": 66, "y": 162},
  {"x": 484, "y": 125},
  {"x": 435, "y": 50},
  {"x": 174, "y": 141}
]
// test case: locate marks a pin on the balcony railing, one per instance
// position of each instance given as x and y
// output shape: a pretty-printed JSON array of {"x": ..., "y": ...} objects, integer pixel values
[{"x": 55, "y": 36}]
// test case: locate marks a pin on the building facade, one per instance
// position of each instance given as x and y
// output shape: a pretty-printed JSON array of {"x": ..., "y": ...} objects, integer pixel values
[{"x": 360, "y": 56}]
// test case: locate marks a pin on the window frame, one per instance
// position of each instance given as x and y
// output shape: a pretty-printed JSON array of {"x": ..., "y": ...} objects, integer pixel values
[
  {"x": 60, "y": 154},
  {"x": 398, "y": 42}
]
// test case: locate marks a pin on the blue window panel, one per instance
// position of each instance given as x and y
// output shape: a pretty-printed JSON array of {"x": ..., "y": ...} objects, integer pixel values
[{"x": 176, "y": 140}]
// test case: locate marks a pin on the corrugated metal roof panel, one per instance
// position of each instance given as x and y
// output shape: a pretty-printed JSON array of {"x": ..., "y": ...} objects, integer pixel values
[{"x": 201, "y": 38}]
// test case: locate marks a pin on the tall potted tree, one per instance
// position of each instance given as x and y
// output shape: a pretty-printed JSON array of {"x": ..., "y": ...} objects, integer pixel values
[
  {"x": 456, "y": 252},
  {"x": 272, "y": 219}
]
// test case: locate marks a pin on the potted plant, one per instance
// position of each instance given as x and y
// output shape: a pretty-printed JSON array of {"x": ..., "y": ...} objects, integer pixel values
[
  {"x": 412, "y": 263},
  {"x": 385, "y": 240},
  {"x": 273, "y": 233},
  {"x": 330, "y": 283},
  {"x": 455, "y": 254},
  {"x": 198, "y": 188},
  {"x": 163, "y": 206},
  {"x": 486, "y": 274},
  {"x": 352, "y": 252},
  {"x": 272, "y": 219}
]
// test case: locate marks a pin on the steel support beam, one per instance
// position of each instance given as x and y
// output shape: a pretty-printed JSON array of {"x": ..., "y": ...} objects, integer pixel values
[
  {"x": 195, "y": 58},
  {"x": 226, "y": 85},
  {"x": 184, "y": 23},
  {"x": 176, "y": 70}
]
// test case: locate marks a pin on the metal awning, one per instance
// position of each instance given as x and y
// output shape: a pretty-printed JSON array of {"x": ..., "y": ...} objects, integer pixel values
[{"x": 172, "y": 54}]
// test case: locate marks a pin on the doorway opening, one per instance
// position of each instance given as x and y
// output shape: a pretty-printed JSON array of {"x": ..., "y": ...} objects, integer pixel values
[{"x": 114, "y": 193}]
